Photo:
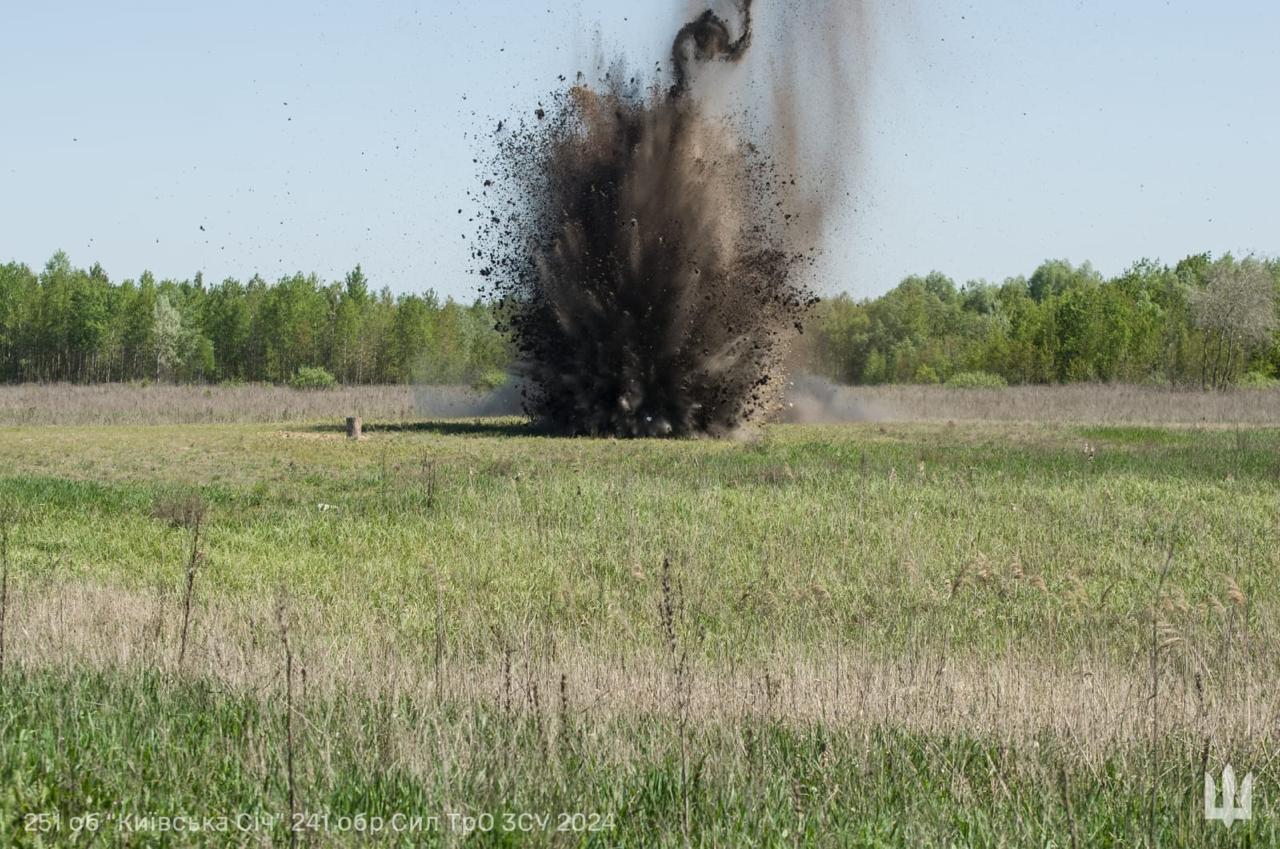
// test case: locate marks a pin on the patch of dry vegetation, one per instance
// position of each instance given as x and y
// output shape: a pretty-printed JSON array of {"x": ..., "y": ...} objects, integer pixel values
[
  {"x": 1013, "y": 697},
  {"x": 1069, "y": 404},
  {"x": 157, "y": 404}
]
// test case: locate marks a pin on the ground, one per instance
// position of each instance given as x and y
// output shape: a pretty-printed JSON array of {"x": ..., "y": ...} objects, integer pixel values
[{"x": 879, "y": 633}]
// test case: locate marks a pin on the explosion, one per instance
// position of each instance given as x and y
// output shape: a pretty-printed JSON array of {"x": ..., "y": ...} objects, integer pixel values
[{"x": 638, "y": 251}]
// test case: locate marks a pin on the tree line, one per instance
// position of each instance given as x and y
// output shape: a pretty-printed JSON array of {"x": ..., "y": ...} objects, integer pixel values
[
  {"x": 72, "y": 324},
  {"x": 1204, "y": 322}
]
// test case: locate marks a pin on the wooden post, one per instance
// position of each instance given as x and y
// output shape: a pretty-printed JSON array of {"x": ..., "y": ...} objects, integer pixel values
[{"x": 353, "y": 427}]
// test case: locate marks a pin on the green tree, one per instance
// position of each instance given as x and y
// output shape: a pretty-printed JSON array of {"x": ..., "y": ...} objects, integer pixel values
[
  {"x": 1056, "y": 276},
  {"x": 138, "y": 328},
  {"x": 19, "y": 287},
  {"x": 1237, "y": 312},
  {"x": 167, "y": 335}
]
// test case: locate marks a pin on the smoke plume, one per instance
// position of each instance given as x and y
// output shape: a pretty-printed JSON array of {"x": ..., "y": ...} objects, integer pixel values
[{"x": 647, "y": 256}]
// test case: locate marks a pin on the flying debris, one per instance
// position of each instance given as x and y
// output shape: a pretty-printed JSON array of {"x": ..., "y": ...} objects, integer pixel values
[{"x": 638, "y": 250}]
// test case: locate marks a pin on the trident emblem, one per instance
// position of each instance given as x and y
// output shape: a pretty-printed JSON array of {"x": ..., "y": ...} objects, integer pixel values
[{"x": 1228, "y": 813}]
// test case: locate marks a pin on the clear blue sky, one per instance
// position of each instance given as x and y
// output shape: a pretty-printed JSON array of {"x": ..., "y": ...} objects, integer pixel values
[{"x": 315, "y": 135}]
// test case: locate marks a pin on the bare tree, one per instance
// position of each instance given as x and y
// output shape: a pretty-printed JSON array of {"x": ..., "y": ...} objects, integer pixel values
[{"x": 1237, "y": 312}]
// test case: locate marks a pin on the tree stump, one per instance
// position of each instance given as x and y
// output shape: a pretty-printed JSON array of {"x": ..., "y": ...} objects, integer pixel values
[{"x": 353, "y": 427}]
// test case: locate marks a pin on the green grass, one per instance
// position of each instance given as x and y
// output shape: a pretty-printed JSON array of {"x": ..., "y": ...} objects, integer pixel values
[
  {"x": 143, "y": 746},
  {"x": 442, "y": 581},
  {"x": 836, "y": 531},
  {"x": 98, "y": 740}
]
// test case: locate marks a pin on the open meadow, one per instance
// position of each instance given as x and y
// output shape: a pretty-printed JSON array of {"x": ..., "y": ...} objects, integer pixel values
[{"x": 1035, "y": 620}]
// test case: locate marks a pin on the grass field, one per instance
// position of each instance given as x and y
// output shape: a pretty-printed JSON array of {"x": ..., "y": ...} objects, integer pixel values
[
  {"x": 875, "y": 634},
  {"x": 68, "y": 404}
]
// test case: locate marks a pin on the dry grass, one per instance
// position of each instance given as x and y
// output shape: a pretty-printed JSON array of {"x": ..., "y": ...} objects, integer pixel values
[
  {"x": 1074, "y": 403},
  {"x": 1013, "y": 699},
  {"x": 137, "y": 404}
]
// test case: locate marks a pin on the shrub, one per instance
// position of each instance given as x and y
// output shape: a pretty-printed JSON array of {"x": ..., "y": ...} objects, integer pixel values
[
  {"x": 926, "y": 374},
  {"x": 976, "y": 380},
  {"x": 1258, "y": 380},
  {"x": 489, "y": 380},
  {"x": 313, "y": 378}
]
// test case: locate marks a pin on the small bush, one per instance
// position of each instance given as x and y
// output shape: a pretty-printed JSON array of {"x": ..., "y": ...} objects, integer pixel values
[
  {"x": 926, "y": 374},
  {"x": 976, "y": 380},
  {"x": 1258, "y": 380},
  {"x": 489, "y": 380},
  {"x": 313, "y": 378}
]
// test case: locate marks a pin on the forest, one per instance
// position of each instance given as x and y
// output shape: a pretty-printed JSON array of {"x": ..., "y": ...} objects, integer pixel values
[
  {"x": 1205, "y": 322},
  {"x": 1202, "y": 322},
  {"x": 72, "y": 324}
]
